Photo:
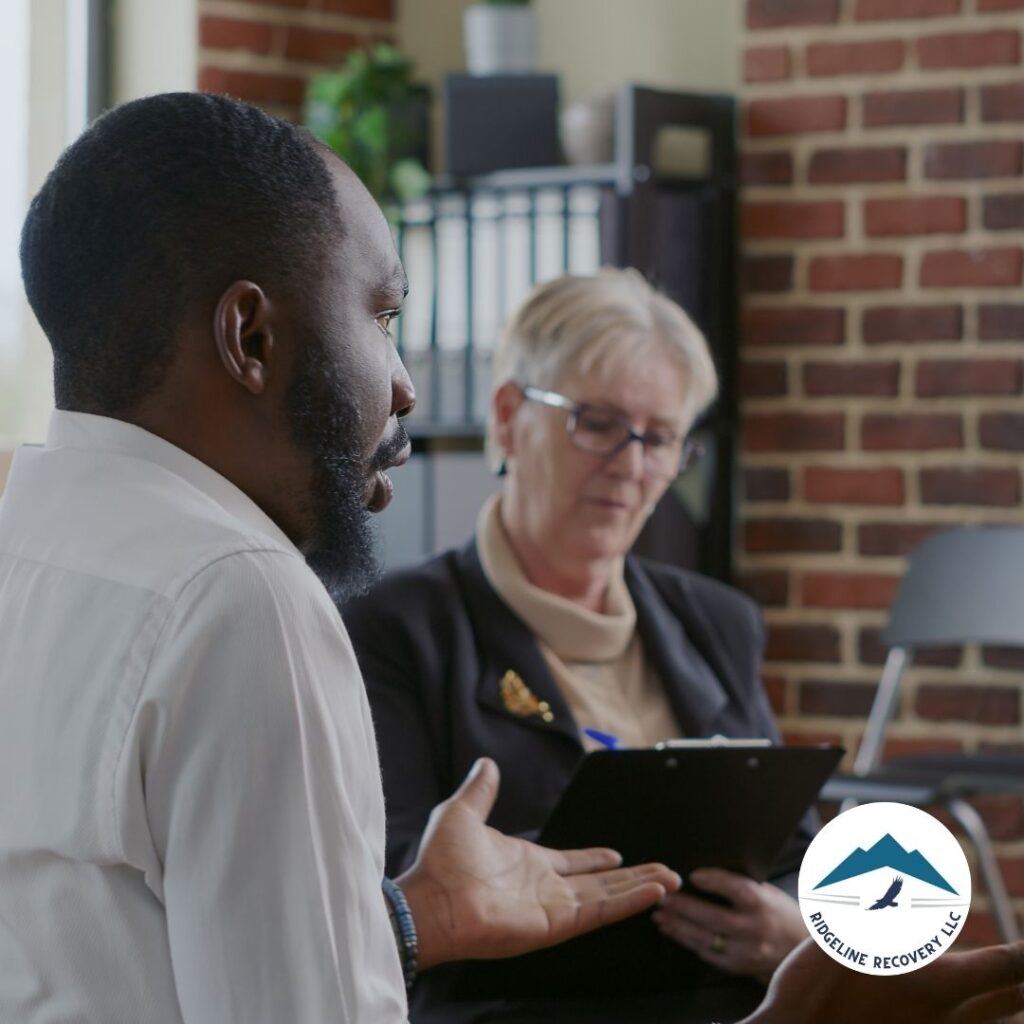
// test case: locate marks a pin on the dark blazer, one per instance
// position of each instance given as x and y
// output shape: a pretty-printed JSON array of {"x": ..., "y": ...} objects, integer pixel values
[{"x": 434, "y": 643}]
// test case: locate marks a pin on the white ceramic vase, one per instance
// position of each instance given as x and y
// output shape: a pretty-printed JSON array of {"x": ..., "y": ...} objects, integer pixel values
[{"x": 500, "y": 40}]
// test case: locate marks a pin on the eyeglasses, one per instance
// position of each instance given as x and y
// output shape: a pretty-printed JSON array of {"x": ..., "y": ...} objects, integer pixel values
[{"x": 604, "y": 432}]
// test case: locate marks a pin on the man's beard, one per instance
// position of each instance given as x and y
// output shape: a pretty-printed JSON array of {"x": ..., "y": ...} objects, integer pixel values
[{"x": 326, "y": 424}]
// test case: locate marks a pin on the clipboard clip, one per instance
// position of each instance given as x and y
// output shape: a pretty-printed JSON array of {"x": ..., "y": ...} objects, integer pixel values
[{"x": 712, "y": 742}]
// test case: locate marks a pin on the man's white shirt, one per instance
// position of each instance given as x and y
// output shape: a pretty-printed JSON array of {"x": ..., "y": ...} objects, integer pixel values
[{"x": 191, "y": 816}]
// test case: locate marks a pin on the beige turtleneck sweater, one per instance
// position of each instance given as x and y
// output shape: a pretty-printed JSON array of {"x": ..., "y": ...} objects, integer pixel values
[{"x": 596, "y": 658}]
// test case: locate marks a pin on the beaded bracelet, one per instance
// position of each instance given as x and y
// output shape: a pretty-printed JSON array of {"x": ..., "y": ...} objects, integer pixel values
[{"x": 404, "y": 928}]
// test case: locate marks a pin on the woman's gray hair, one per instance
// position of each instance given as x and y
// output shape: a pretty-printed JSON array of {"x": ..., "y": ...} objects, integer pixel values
[{"x": 571, "y": 324}]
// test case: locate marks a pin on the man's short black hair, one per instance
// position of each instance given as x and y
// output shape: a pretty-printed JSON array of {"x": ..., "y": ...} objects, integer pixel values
[{"x": 160, "y": 203}]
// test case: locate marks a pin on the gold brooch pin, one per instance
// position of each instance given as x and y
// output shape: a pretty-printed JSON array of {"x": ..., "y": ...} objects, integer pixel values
[{"x": 519, "y": 699}]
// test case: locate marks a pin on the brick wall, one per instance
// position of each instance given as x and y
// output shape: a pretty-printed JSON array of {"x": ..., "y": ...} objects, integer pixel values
[
  {"x": 264, "y": 50},
  {"x": 883, "y": 226}
]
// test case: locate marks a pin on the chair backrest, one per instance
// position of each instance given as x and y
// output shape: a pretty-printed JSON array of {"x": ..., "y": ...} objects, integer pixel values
[{"x": 962, "y": 585}]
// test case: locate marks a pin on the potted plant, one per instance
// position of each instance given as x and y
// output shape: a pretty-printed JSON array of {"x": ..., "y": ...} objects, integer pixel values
[
  {"x": 372, "y": 114},
  {"x": 500, "y": 37}
]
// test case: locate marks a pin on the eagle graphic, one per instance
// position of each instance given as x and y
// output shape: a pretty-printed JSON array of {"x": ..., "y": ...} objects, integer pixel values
[{"x": 889, "y": 899}]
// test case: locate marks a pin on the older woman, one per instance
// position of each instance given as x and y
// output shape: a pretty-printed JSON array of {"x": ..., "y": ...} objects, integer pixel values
[{"x": 542, "y": 626}]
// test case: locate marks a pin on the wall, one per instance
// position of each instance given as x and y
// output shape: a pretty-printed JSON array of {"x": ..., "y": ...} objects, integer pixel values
[
  {"x": 154, "y": 47},
  {"x": 264, "y": 50},
  {"x": 883, "y": 237},
  {"x": 664, "y": 43}
]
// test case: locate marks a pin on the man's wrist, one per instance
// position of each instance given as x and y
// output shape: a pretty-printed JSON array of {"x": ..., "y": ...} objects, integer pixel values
[
  {"x": 429, "y": 911},
  {"x": 404, "y": 927}
]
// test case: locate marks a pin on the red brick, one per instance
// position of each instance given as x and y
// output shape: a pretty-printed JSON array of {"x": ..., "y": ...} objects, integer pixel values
[
  {"x": 1000, "y": 5},
  {"x": 826, "y": 486},
  {"x": 283, "y": 3},
  {"x": 1003, "y": 817},
  {"x": 900, "y": 746},
  {"x": 849, "y": 589},
  {"x": 998, "y": 488},
  {"x": 856, "y": 272},
  {"x": 774, "y": 168},
  {"x": 836, "y": 698},
  {"x": 775, "y": 691},
  {"x": 793, "y": 326},
  {"x": 952, "y": 161},
  {"x": 986, "y": 705},
  {"x": 763, "y": 379},
  {"x": 885, "y": 324},
  {"x": 1002, "y": 431},
  {"x": 892, "y": 540},
  {"x": 885, "y": 10},
  {"x": 768, "y": 587},
  {"x": 851, "y": 378},
  {"x": 1012, "y": 868},
  {"x": 794, "y": 432},
  {"x": 803, "y": 738},
  {"x": 382, "y": 9},
  {"x": 767, "y": 64},
  {"x": 796, "y": 115},
  {"x": 969, "y": 49},
  {"x": 872, "y": 57},
  {"x": 766, "y": 484},
  {"x": 767, "y": 273},
  {"x": 982, "y": 268},
  {"x": 1002, "y": 102},
  {"x": 914, "y": 106},
  {"x": 233, "y": 34},
  {"x": 872, "y": 650},
  {"x": 1004, "y": 657},
  {"x": 792, "y": 219},
  {"x": 857, "y": 164},
  {"x": 781, "y": 13},
  {"x": 918, "y": 216},
  {"x": 913, "y": 432},
  {"x": 1001, "y": 322},
  {"x": 1004, "y": 213},
  {"x": 803, "y": 643},
  {"x": 253, "y": 86},
  {"x": 780, "y": 534},
  {"x": 943, "y": 378},
  {"x": 317, "y": 44}
]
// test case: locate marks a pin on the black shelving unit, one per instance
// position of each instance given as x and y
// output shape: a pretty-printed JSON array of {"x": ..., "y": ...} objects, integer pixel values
[{"x": 679, "y": 231}]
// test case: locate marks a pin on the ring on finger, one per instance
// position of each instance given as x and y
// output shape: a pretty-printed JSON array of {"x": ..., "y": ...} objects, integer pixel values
[{"x": 717, "y": 943}]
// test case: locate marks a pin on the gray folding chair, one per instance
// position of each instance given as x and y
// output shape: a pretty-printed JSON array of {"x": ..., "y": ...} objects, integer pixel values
[{"x": 962, "y": 585}]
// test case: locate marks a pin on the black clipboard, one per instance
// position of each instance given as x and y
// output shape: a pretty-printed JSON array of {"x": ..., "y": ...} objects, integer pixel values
[
  {"x": 726, "y": 805},
  {"x": 729, "y": 805}
]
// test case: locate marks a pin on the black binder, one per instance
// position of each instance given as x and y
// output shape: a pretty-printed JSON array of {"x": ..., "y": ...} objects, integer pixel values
[{"x": 727, "y": 805}]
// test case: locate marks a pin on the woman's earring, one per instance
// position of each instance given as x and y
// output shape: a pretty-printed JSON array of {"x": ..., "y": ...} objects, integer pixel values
[{"x": 502, "y": 469}]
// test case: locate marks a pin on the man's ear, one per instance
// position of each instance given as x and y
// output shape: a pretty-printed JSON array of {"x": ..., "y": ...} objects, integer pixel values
[
  {"x": 505, "y": 404},
  {"x": 243, "y": 334}
]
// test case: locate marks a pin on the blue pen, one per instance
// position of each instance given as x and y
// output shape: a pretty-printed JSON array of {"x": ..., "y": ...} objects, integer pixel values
[{"x": 606, "y": 739}]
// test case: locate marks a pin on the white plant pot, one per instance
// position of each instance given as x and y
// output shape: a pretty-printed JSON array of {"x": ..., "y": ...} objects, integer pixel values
[{"x": 500, "y": 40}]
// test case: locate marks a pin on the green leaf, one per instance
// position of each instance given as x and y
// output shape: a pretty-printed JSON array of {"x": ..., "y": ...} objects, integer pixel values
[
  {"x": 372, "y": 129},
  {"x": 409, "y": 179}
]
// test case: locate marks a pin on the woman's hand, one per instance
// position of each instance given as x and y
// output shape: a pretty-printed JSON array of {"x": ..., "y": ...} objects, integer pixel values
[{"x": 751, "y": 936}]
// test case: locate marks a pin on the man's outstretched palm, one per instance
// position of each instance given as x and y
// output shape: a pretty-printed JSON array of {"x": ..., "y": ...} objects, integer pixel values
[{"x": 478, "y": 894}]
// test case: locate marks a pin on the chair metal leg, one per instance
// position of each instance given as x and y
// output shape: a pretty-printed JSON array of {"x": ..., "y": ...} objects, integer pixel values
[{"x": 971, "y": 822}]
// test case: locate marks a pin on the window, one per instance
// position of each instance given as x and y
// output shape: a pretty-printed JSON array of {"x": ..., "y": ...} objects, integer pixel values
[{"x": 52, "y": 71}]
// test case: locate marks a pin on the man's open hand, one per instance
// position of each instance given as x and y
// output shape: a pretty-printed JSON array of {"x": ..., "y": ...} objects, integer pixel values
[
  {"x": 978, "y": 987},
  {"x": 478, "y": 894}
]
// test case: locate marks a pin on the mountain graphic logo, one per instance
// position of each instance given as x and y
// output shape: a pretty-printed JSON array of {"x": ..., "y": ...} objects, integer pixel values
[
  {"x": 889, "y": 905},
  {"x": 886, "y": 853}
]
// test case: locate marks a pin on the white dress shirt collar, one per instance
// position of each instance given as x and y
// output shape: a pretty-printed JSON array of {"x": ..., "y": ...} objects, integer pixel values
[{"x": 85, "y": 431}]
